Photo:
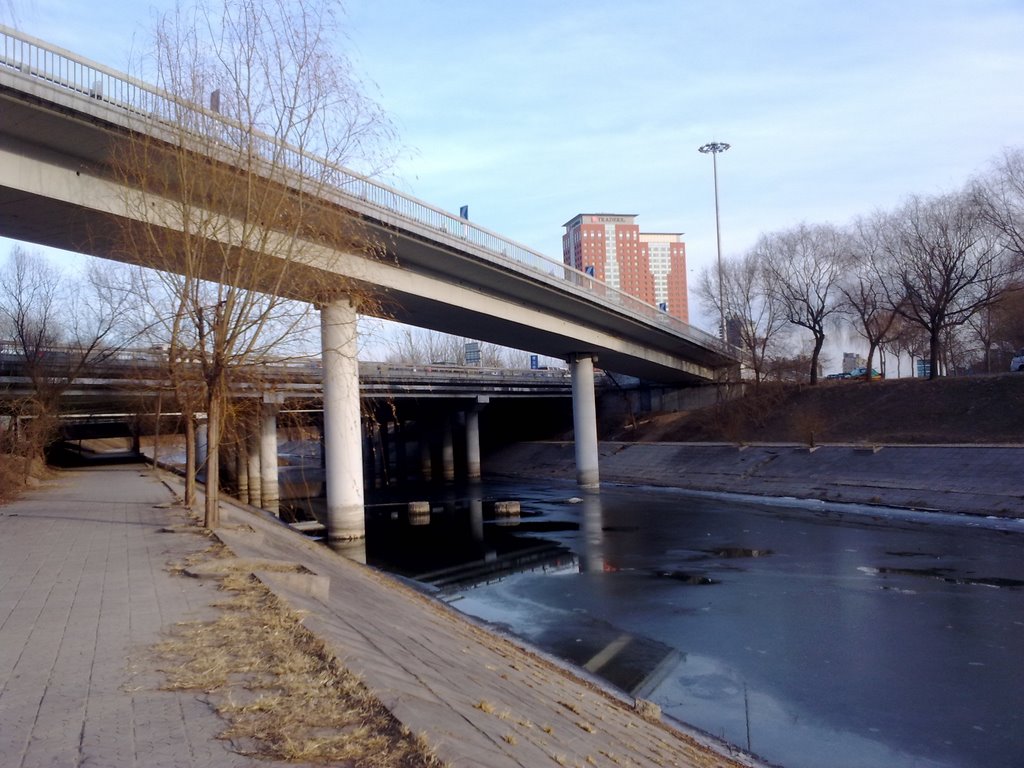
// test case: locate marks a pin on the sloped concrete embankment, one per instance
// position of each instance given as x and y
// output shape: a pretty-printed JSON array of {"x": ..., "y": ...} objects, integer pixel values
[{"x": 981, "y": 480}]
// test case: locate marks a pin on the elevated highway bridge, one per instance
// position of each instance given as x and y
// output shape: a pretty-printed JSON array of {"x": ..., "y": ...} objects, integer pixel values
[
  {"x": 62, "y": 121},
  {"x": 134, "y": 376}
]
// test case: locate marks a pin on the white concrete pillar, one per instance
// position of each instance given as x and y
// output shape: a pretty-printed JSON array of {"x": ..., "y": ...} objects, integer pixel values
[
  {"x": 202, "y": 444},
  {"x": 448, "y": 451},
  {"x": 252, "y": 457},
  {"x": 584, "y": 420},
  {"x": 342, "y": 427},
  {"x": 353, "y": 549},
  {"x": 242, "y": 470},
  {"x": 473, "y": 444},
  {"x": 269, "y": 491}
]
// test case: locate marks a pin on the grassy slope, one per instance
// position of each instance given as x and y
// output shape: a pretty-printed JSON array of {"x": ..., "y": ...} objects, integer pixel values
[{"x": 981, "y": 409}]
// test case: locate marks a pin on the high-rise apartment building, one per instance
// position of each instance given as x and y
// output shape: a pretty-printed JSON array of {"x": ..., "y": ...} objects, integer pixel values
[{"x": 611, "y": 247}]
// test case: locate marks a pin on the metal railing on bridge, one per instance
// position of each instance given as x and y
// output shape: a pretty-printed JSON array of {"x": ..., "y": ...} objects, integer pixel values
[{"x": 39, "y": 60}]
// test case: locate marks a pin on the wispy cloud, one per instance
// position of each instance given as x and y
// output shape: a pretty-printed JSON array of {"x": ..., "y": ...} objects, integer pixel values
[{"x": 533, "y": 111}]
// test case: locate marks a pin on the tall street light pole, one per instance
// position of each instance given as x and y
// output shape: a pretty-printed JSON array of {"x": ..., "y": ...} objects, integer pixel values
[{"x": 713, "y": 148}]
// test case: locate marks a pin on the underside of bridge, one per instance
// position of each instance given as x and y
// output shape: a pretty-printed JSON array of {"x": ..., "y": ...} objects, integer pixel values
[{"x": 63, "y": 186}]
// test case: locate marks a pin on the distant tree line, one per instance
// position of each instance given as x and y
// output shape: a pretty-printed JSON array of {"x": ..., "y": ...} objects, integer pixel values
[
  {"x": 939, "y": 277},
  {"x": 53, "y": 330},
  {"x": 419, "y": 346}
]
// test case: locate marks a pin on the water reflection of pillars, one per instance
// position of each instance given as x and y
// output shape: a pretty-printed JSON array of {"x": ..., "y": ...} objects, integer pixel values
[
  {"x": 476, "y": 519},
  {"x": 584, "y": 419},
  {"x": 592, "y": 527}
]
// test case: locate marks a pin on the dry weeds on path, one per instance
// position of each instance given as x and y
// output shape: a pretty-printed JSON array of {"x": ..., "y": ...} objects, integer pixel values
[{"x": 282, "y": 695}]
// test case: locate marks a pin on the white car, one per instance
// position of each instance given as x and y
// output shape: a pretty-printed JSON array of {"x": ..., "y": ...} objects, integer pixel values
[{"x": 1017, "y": 363}]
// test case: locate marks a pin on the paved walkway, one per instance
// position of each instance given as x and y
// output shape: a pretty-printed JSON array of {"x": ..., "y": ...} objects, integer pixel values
[{"x": 84, "y": 591}]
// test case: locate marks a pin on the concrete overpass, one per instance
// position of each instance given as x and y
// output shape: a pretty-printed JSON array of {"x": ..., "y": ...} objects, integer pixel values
[
  {"x": 438, "y": 410},
  {"x": 132, "y": 376},
  {"x": 63, "y": 118}
]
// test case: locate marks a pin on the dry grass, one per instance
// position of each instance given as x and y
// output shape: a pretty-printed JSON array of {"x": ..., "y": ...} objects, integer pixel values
[
  {"x": 17, "y": 473},
  {"x": 970, "y": 409},
  {"x": 12, "y": 477},
  {"x": 283, "y": 695}
]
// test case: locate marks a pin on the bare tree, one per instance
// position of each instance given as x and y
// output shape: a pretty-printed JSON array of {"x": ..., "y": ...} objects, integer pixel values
[
  {"x": 804, "y": 265},
  {"x": 1007, "y": 323},
  {"x": 904, "y": 339},
  {"x": 231, "y": 197},
  {"x": 754, "y": 317},
  {"x": 59, "y": 329},
  {"x": 419, "y": 346},
  {"x": 1000, "y": 196},
  {"x": 863, "y": 294},
  {"x": 945, "y": 264}
]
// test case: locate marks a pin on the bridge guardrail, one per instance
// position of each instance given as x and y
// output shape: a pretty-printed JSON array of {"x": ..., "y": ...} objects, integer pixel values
[{"x": 37, "y": 59}]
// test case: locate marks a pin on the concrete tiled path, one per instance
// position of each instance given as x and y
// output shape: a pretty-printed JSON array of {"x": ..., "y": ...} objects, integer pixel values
[{"x": 84, "y": 593}]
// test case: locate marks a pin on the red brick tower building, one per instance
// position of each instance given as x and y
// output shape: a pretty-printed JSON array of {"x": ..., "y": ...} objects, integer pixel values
[{"x": 650, "y": 266}]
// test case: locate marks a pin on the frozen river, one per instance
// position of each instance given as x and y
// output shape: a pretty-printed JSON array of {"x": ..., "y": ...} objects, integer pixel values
[{"x": 819, "y": 635}]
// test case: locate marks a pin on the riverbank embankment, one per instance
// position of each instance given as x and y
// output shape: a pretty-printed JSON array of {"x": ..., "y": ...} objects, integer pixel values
[{"x": 968, "y": 479}]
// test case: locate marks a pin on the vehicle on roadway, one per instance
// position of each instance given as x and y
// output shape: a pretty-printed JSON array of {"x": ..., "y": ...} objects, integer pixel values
[
  {"x": 862, "y": 373},
  {"x": 1017, "y": 363}
]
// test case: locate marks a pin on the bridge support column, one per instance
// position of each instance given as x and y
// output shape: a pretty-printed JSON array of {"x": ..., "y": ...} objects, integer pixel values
[
  {"x": 252, "y": 458},
  {"x": 342, "y": 427},
  {"x": 242, "y": 469},
  {"x": 202, "y": 439},
  {"x": 448, "y": 450},
  {"x": 426, "y": 461},
  {"x": 269, "y": 491},
  {"x": 473, "y": 438},
  {"x": 584, "y": 420}
]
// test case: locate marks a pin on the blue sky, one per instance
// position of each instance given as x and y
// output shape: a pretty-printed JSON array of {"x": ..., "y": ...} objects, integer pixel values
[{"x": 531, "y": 112}]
